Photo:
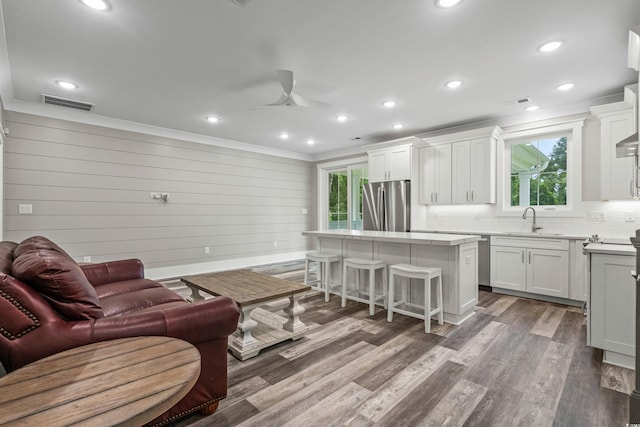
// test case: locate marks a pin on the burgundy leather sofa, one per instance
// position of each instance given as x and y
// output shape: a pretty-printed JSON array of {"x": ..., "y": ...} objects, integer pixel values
[{"x": 48, "y": 304}]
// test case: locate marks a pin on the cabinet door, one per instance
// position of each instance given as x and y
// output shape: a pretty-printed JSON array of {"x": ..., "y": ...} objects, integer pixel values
[
  {"x": 548, "y": 272},
  {"x": 442, "y": 174},
  {"x": 613, "y": 303},
  {"x": 399, "y": 163},
  {"x": 482, "y": 170},
  {"x": 508, "y": 268},
  {"x": 426, "y": 175},
  {"x": 617, "y": 174},
  {"x": 377, "y": 167},
  {"x": 460, "y": 191}
]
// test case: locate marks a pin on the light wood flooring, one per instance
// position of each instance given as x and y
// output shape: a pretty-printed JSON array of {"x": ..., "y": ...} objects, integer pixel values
[{"x": 515, "y": 362}]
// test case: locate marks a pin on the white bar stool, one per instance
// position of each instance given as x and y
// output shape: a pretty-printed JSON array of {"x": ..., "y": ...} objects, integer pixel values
[
  {"x": 402, "y": 306},
  {"x": 322, "y": 282},
  {"x": 368, "y": 297}
]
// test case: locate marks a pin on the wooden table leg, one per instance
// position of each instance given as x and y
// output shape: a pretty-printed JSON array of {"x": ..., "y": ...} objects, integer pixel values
[
  {"x": 294, "y": 310},
  {"x": 245, "y": 340},
  {"x": 195, "y": 294}
]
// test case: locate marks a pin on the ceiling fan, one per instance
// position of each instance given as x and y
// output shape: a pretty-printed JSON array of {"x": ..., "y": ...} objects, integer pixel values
[{"x": 289, "y": 98}]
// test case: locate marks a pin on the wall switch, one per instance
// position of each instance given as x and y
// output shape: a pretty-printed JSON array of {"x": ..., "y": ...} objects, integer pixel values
[
  {"x": 629, "y": 216},
  {"x": 25, "y": 209},
  {"x": 275, "y": 244},
  {"x": 207, "y": 249},
  {"x": 597, "y": 216},
  {"x": 86, "y": 259},
  {"x": 305, "y": 211}
]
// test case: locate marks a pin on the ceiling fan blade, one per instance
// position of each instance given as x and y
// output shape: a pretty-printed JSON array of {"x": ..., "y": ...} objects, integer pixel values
[
  {"x": 305, "y": 102},
  {"x": 283, "y": 101},
  {"x": 285, "y": 77}
]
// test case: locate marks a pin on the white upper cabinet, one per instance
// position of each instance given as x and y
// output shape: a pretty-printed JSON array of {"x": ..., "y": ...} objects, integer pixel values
[
  {"x": 471, "y": 177},
  {"x": 434, "y": 171},
  {"x": 617, "y": 121},
  {"x": 390, "y": 164}
]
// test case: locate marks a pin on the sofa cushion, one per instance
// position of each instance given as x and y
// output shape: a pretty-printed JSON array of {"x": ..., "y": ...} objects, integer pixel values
[
  {"x": 46, "y": 267},
  {"x": 139, "y": 300},
  {"x": 6, "y": 256}
]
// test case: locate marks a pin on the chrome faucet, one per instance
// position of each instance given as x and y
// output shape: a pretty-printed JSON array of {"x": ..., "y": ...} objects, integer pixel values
[{"x": 534, "y": 226}]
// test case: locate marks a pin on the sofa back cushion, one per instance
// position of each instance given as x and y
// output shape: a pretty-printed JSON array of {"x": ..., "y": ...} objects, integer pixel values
[
  {"x": 6, "y": 256},
  {"x": 47, "y": 268}
]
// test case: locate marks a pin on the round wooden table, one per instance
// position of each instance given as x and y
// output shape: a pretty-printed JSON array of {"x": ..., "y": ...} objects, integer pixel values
[{"x": 126, "y": 382}]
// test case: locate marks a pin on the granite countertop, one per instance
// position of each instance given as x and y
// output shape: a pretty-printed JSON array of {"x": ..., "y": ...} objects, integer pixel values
[
  {"x": 610, "y": 249},
  {"x": 512, "y": 233},
  {"x": 443, "y": 239}
]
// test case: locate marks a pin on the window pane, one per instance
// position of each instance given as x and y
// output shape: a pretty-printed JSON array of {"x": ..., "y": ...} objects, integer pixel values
[
  {"x": 358, "y": 180},
  {"x": 539, "y": 172},
  {"x": 338, "y": 200}
]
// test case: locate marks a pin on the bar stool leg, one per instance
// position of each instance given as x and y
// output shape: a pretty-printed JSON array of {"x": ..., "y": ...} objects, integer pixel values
[
  {"x": 427, "y": 304},
  {"x": 327, "y": 273},
  {"x": 306, "y": 271},
  {"x": 390, "y": 300},
  {"x": 385, "y": 286}
]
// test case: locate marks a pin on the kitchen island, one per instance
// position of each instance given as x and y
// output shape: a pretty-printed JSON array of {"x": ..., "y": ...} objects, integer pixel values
[{"x": 455, "y": 254}]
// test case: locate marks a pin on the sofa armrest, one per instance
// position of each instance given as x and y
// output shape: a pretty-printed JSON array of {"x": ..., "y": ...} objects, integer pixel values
[
  {"x": 208, "y": 320},
  {"x": 113, "y": 271}
]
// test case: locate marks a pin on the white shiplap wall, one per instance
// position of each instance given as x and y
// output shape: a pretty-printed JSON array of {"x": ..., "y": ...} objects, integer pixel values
[{"x": 90, "y": 190}]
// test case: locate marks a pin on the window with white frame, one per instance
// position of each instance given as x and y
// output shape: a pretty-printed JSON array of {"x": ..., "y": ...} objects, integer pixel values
[
  {"x": 340, "y": 194},
  {"x": 541, "y": 167}
]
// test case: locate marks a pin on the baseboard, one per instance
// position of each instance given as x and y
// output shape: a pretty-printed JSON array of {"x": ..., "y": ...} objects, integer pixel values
[{"x": 176, "y": 271}]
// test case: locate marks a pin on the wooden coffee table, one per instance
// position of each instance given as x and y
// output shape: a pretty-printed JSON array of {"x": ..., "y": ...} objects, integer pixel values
[
  {"x": 125, "y": 382},
  {"x": 257, "y": 328}
]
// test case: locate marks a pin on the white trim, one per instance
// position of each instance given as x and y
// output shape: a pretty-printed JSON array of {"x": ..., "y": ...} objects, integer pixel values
[
  {"x": 119, "y": 124},
  {"x": 160, "y": 273},
  {"x": 574, "y": 168}
]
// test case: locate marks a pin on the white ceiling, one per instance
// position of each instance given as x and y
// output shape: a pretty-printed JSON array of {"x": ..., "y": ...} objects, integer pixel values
[{"x": 170, "y": 63}]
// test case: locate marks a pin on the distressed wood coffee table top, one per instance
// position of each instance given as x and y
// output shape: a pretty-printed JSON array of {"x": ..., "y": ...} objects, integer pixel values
[{"x": 245, "y": 287}]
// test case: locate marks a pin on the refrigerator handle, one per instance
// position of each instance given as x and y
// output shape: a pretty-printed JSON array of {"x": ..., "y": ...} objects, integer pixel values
[
  {"x": 379, "y": 226},
  {"x": 381, "y": 213}
]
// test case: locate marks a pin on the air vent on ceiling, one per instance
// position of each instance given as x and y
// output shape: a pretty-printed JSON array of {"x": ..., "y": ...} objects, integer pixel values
[
  {"x": 66, "y": 102},
  {"x": 518, "y": 101},
  {"x": 240, "y": 2}
]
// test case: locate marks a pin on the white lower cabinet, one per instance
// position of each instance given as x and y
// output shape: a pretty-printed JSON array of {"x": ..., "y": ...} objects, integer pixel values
[
  {"x": 534, "y": 265},
  {"x": 612, "y": 313}
]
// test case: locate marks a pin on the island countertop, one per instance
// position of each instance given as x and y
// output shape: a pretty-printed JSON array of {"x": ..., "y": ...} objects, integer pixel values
[{"x": 400, "y": 237}]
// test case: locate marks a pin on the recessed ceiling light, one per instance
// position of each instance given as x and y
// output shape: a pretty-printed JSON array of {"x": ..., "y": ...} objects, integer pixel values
[
  {"x": 550, "y": 46},
  {"x": 310, "y": 141},
  {"x": 389, "y": 104},
  {"x": 447, "y": 3},
  {"x": 398, "y": 126},
  {"x": 454, "y": 84},
  {"x": 284, "y": 135},
  {"x": 213, "y": 119},
  {"x": 566, "y": 86},
  {"x": 532, "y": 108},
  {"x": 101, "y": 5},
  {"x": 66, "y": 85},
  {"x": 342, "y": 118}
]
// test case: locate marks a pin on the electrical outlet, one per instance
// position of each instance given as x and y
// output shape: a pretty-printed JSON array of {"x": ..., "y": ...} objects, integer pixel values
[
  {"x": 629, "y": 216},
  {"x": 305, "y": 211},
  {"x": 598, "y": 216},
  {"x": 275, "y": 243},
  {"x": 86, "y": 258},
  {"x": 25, "y": 209},
  {"x": 207, "y": 249}
]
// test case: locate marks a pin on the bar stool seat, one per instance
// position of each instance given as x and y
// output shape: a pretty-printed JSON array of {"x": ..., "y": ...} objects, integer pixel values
[
  {"x": 323, "y": 279},
  {"x": 369, "y": 295},
  {"x": 426, "y": 311}
]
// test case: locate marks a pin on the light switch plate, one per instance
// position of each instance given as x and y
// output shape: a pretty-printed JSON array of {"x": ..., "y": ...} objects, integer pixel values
[{"x": 25, "y": 208}]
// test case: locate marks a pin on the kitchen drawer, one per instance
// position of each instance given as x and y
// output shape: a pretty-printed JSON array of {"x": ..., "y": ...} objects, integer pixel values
[{"x": 531, "y": 242}]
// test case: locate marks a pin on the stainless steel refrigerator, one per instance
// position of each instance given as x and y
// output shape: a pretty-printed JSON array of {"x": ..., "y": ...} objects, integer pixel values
[{"x": 386, "y": 206}]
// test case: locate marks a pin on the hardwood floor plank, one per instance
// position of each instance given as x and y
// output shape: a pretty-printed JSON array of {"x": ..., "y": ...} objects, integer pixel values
[
  {"x": 390, "y": 394},
  {"x": 499, "y": 306},
  {"x": 456, "y": 406},
  {"x": 461, "y": 334},
  {"x": 485, "y": 299},
  {"x": 425, "y": 396},
  {"x": 278, "y": 410},
  {"x": 523, "y": 314},
  {"x": 613, "y": 408},
  {"x": 337, "y": 409},
  {"x": 269, "y": 396},
  {"x": 540, "y": 400},
  {"x": 617, "y": 378},
  {"x": 569, "y": 329},
  {"x": 230, "y": 416},
  {"x": 496, "y": 409},
  {"x": 548, "y": 322},
  {"x": 477, "y": 345}
]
